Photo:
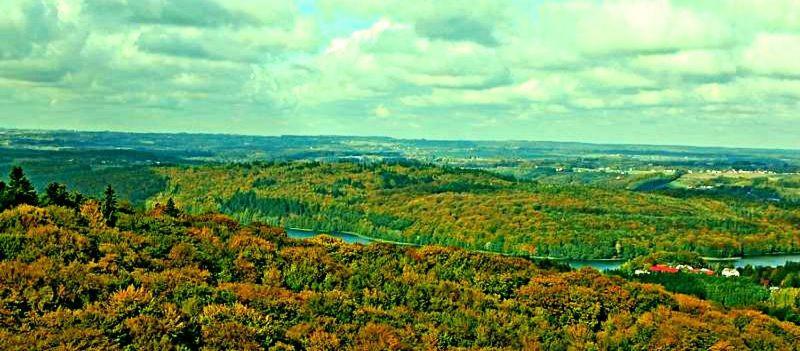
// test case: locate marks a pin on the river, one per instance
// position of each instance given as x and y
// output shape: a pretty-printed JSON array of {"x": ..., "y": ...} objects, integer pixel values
[{"x": 601, "y": 265}]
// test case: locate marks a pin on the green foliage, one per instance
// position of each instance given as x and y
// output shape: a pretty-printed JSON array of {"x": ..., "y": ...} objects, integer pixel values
[
  {"x": 10, "y": 245},
  {"x": 774, "y": 290},
  {"x": 56, "y": 194},
  {"x": 171, "y": 209},
  {"x": 666, "y": 258},
  {"x": 249, "y": 206},
  {"x": 730, "y": 292},
  {"x": 785, "y": 276},
  {"x": 425, "y": 204},
  {"x": 264, "y": 182},
  {"x": 18, "y": 191},
  {"x": 4, "y": 195},
  {"x": 205, "y": 282},
  {"x": 109, "y": 206}
]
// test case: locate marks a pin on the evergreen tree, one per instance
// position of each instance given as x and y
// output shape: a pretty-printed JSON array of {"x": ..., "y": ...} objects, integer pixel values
[
  {"x": 20, "y": 189},
  {"x": 109, "y": 207},
  {"x": 3, "y": 196},
  {"x": 77, "y": 199},
  {"x": 56, "y": 194},
  {"x": 171, "y": 209}
]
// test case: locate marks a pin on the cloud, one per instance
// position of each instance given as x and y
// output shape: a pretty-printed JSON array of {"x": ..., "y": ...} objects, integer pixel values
[
  {"x": 382, "y": 111},
  {"x": 27, "y": 27},
  {"x": 774, "y": 54},
  {"x": 457, "y": 29},
  {"x": 688, "y": 62},
  {"x": 636, "y": 26},
  {"x": 409, "y": 66}
]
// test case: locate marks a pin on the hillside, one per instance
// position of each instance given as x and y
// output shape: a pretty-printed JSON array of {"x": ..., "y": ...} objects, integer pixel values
[
  {"x": 426, "y": 204},
  {"x": 159, "y": 282}
]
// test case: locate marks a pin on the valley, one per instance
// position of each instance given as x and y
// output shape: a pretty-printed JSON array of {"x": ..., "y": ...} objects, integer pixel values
[{"x": 206, "y": 233}]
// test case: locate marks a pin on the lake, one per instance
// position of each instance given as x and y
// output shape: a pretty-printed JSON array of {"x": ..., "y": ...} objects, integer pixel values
[
  {"x": 348, "y": 238},
  {"x": 601, "y": 265},
  {"x": 766, "y": 260}
]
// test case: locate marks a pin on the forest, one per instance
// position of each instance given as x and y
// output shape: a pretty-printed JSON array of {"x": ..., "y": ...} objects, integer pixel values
[
  {"x": 421, "y": 203},
  {"x": 772, "y": 290},
  {"x": 86, "y": 273}
]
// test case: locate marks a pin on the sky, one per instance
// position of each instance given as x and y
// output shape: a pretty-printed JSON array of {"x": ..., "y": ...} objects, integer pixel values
[{"x": 688, "y": 72}]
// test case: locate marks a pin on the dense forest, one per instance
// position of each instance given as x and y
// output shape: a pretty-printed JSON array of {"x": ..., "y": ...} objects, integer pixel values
[
  {"x": 87, "y": 274},
  {"x": 90, "y": 171},
  {"x": 426, "y": 204}
]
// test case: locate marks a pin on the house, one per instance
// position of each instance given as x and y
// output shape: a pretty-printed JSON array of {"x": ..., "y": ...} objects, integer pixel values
[
  {"x": 660, "y": 268},
  {"x": 730, "y": 272}
]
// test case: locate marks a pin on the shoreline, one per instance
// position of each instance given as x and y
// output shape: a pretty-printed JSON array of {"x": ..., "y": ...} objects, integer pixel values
[
  {"x": 509, "y": 254},
  {"x": 369, "y": 238}
]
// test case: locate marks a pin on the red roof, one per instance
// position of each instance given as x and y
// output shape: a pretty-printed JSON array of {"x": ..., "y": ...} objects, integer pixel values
[{"x": 663, "y": 269}]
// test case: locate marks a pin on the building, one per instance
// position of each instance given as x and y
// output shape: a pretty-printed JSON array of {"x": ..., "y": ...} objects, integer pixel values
[
  {"x": 730, "y": 272},
  {"x": 660, "y": 268}
]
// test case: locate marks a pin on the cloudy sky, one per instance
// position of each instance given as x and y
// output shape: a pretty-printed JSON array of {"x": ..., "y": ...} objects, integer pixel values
[{"x": 724, "y": 72}]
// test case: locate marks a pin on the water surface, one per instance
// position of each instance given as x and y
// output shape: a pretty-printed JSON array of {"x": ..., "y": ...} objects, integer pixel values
[{"x": 600, "y": 265}]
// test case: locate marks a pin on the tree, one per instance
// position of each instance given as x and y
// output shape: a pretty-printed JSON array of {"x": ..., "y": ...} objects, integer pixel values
[
  {"x": 3, "y": 196},
  {"x": 20, "y": 189},
  {"x": 77, "y": 198},
  {"x": 109, "y": 207},
  {"x": 91, "y": 211},
  {"x": 792, "y": 280},
  {"x": 171, "y": 210},
  {"x": 56, "y": 194}
]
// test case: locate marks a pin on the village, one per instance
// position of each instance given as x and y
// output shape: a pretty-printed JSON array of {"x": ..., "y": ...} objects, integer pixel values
[{"x": 662, "y": 268}]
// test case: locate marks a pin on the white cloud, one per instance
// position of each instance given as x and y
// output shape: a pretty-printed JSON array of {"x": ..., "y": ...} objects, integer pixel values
[
  {"x": 777, "y": 54},
  {"x": 633, "y": 26},
  {"x": 427, "y": 60},
  {"x": 604, "y": 78},
  {"x": 689, "y": 62},
  {"x": 382, "y": 111}
]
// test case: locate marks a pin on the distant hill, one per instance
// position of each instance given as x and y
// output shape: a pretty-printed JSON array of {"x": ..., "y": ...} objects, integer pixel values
[
  {"x": 224, "y": 148},
  {"x": 426, "y": 204}
]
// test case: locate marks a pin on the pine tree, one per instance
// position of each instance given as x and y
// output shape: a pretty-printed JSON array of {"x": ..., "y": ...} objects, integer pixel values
[
  {"x": 3, "y": 196},
  {"x": 56, "y": 194},
  {"x": 77, "y": 199},
  {"x": 171, "y": 209},
  {"x": 20, "y": 190},
  {"x": 109, "y": 207}
]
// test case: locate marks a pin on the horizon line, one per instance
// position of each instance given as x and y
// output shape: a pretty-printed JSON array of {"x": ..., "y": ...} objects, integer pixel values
[{"x": 398, "y": 138}]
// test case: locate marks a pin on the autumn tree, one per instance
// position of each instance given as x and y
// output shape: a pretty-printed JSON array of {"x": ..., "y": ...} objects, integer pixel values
[{"x": 93, "y": 214}]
